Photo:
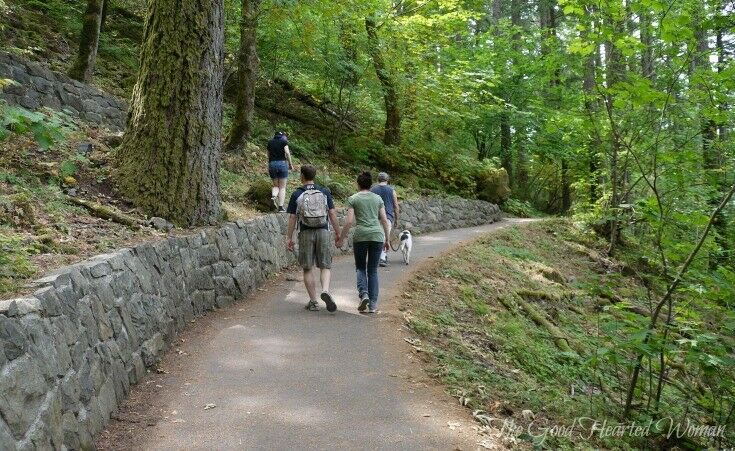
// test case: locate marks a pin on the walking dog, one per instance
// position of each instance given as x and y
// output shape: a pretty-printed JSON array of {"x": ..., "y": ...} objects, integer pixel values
[{"x": 406, "y": 246}]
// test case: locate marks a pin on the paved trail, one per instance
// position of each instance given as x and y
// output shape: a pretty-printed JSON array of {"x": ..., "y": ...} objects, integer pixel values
[{"x": 283, "y": 378}]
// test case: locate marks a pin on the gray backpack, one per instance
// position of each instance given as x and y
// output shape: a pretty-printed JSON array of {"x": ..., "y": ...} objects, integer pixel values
[{"x": 311, "y": 208}]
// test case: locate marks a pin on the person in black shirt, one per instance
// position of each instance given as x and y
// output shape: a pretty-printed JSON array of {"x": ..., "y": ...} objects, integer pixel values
[
  {"x": 279, "y": 163},
  {"x": 314, "y": 245}
]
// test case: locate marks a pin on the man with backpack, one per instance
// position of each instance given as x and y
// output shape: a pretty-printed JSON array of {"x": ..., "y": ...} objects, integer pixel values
[
  {"x": 312, "y": 208},
  {"x": 392, "y": 209}
]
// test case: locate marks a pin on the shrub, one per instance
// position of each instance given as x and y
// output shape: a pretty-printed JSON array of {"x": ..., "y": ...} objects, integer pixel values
[
  {"x": 260, "y": 194},
  {"x": 340, "y": 189},
  {"x": 520, "y": 208},
  {"x": 492, "y": 184}
]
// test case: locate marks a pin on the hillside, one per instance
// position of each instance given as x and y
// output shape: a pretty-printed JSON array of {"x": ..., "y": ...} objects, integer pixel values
[{"x": 530, "y": 328}]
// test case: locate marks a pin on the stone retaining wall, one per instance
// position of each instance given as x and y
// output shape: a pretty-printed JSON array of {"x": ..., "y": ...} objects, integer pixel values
[
  {"x": 70, "y": 352},
  {"x": 37, "y": 86}
]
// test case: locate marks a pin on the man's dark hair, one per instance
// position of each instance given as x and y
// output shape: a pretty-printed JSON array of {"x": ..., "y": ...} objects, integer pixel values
[
  {"x": 365, "y": 180},
  {"x": 308, "y": 172}
]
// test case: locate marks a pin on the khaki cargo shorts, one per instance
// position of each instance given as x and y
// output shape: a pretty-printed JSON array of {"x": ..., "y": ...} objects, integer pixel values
[{"x": 315, "y": 248}]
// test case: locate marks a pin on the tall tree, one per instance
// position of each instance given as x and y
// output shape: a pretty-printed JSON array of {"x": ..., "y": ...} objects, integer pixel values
[
  {"x": 614, "y": 72},
  {"x": 591, "y": 105},
  {"x": 168, "y": 162},
  {"x": 392, "y": 133},
  {"x": 519, "y": 136},
  {"x": 83, "y": 67},
  {"x": 247, "y": 75},
  {"x": 506, "y": 138}
]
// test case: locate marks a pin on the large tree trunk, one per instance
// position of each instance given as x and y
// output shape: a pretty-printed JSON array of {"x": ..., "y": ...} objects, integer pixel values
[
  {"x": 83, "y": 67},
  {"x": 168, "y": 162},
  {"x": 247, "y": 75},
  {"x": 392, "y": 134}
]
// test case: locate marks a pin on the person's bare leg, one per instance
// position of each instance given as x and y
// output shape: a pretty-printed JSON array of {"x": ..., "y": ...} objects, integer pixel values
[
  {"x": 310, "y": 284},
  {"x": 325, "y": 277},
  {"x": 274, "y": 189},
  {"x": 281, "y": 191}
]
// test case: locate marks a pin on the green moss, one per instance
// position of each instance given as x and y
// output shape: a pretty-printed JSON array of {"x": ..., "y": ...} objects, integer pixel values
[
  {"x": 259, "y": 194},
  {"x": 15, "y": 264}
]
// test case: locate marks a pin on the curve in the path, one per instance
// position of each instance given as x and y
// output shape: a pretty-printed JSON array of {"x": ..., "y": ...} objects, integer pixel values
[{"x": 284, "y": 378}]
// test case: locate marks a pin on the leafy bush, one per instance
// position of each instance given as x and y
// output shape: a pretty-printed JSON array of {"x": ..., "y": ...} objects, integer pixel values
[
  {"x": 341, "y": 189},
  {"x": 520, "y": 208},
  {"x": 47, "y": 128},
  {"x": 492, "y": 184}
]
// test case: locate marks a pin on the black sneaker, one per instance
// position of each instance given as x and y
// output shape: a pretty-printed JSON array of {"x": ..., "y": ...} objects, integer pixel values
[
  {"x": 312, "y": 306},
  {"x": 383, "y": 263},
  {"x": 327, "y": 298},
  {"x": 281, "y": 210},
  {"x": 364, "y": 301}
]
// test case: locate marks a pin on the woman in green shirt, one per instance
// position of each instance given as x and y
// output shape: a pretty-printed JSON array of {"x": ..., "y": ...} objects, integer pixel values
[{"x": 367, "y": 210}]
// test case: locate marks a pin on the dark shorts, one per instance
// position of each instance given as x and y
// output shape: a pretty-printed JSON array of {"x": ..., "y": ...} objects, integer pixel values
[
  {"x": 315, "y": 248},
  {"x": 278, "y": 169}
]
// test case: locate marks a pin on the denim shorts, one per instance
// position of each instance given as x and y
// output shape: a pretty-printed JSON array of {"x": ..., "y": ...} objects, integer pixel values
[{"x": 278, "y": 169}]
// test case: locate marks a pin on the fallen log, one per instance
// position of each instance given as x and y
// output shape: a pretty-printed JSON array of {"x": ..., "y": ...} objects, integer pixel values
[
  {"x": 560, "y": 340},
  {"x": 312, "y": 101},
  {"x": 107, "y": 213},
  {"x": 290, "y": 115}
]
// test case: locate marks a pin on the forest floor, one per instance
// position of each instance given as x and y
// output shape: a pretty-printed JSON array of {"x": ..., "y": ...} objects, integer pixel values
[{"x": 478, "y": 319}]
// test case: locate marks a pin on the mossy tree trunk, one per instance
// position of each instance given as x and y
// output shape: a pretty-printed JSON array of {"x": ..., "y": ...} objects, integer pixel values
[
  {"x": 168, "y": 162},
  {"x": 392, "y": 134},
  {"x": 83, "y": 67},
  {"x": 247, "y": 74}
]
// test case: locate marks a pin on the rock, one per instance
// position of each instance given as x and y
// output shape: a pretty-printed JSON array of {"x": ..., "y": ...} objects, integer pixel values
[
  {"x": 7, "y": 442},
  {"x": 85, "y": 148},
  {"x": 114, "y": 139},
  {"x": 151, "y": 349},
  {"x": 70, "y": 181},
  {"x": 24, "y": 306},
  {"x": 160, "y": 224},
  {"x": 527, "y": 414},
  {"x": 22, "y": 390}
]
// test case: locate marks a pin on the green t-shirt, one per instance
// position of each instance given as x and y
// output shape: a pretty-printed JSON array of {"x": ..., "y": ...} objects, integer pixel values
[{"x": 367, "y": 207}]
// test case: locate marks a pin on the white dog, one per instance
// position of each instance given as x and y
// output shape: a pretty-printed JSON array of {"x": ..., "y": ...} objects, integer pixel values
[{"x": 406, "y": 246}]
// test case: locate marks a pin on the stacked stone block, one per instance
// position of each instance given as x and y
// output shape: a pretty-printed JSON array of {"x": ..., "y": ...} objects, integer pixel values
[{"x": 36, "y": 86}]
